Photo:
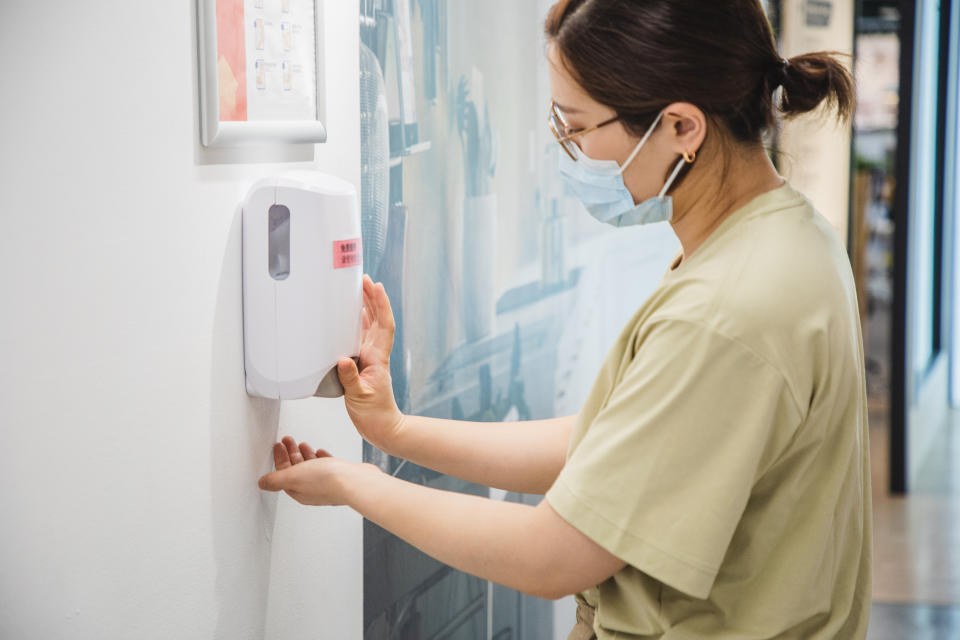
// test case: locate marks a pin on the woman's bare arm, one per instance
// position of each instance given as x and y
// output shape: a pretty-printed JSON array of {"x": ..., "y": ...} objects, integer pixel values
[
  {"x": 525, "y": 456},
  {"x": 530, "y": 549}
]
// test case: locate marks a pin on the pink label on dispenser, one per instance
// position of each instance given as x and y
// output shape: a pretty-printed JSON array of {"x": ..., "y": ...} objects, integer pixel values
[{"x": 347, "y": 253}]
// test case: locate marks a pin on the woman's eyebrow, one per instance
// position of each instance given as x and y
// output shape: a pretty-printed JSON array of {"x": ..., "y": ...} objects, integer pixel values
[{"x": 569, "y": 110}]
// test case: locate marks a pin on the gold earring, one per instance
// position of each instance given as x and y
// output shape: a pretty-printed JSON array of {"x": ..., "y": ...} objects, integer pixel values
[{"x": 690, "y": 157}]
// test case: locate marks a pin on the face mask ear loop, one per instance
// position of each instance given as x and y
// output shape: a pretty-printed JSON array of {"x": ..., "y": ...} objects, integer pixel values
[
  {"x": 673, "y": 177},
  {"x": 643, "y": 141}
]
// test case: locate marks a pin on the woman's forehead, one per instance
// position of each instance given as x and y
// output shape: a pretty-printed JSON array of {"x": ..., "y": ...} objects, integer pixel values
[{"x": 569, "y": 96}]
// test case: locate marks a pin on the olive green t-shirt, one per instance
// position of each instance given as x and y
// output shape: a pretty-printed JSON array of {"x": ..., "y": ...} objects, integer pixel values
[{"x": 722, "y": 452}]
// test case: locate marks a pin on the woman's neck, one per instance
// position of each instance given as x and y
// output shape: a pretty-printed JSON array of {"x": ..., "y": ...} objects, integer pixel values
[{"x": 706, "y": 199}]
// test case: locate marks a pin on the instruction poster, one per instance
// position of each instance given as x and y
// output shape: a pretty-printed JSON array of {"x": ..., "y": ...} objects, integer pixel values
[{"x": 266, "y": 60}]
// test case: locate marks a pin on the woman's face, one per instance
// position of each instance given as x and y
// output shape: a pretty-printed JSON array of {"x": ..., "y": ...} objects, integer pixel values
[{"x": 645, "y": 175}]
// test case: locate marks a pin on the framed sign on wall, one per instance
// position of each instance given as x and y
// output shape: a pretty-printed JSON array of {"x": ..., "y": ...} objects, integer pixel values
[{"x": 260, "y": 72}]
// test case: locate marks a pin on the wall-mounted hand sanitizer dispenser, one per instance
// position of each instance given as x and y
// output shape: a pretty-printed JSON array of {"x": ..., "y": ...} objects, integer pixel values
[{"x": 302, "y": 284}]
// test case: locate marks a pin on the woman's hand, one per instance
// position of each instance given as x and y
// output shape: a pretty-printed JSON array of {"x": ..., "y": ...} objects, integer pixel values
[
  {"x": 368, "y": 392},
  {"x": 308, "y": 476}
]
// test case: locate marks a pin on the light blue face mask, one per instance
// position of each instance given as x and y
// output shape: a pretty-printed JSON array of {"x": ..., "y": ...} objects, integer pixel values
[{"x": 598, "y": 184}]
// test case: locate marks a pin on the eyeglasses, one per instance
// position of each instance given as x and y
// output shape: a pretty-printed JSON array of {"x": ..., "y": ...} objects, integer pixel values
[{"x": 565, "y": 134}]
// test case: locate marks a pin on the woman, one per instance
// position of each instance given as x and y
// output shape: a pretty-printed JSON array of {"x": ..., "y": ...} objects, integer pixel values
[{"x": 716, "y": 481}]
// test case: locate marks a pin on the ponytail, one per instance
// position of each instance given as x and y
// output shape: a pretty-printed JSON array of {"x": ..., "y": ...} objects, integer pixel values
[{"x": 813, "y": 79}]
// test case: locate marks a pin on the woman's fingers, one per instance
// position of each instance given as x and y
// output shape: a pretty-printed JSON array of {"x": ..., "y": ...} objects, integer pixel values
[
  {"x": 292, "y": 450},
  {"x": 349, "y": 374},
  {"x": 287, "y": 453},
  {"x": 366, "y": 297},
  {"x": 277, "y": 480},
  {"x": 377, "y": 302},
  {"x": 384, "y": 311},
  {"x": 367, "y": 293},
  {"x": 281, "y": 458},
  {"x": 378, "y": 323},
  {"x": 369, "y": 309},
  {"x": 383, "y": 336},
  {"x": 307, "y": 451}
]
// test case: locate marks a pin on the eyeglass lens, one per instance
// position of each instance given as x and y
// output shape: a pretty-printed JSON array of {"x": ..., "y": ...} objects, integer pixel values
[{"x": 560, "y": 129}]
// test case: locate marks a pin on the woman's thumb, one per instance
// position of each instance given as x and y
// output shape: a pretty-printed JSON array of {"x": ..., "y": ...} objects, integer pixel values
[
  {"x": 349, "y": 374},
  {"x": 276, "y": 480}
]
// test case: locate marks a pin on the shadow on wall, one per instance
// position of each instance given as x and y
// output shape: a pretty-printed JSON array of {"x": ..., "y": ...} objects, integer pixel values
[{"x": 240, "y": 451}]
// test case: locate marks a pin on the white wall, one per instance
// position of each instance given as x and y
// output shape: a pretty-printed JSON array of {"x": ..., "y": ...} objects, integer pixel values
[{"x": 129, "y": 451}]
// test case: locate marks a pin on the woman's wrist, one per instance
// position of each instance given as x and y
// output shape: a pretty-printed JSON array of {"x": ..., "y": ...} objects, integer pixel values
[
  {"x": 390, "y": 439},
  {"x": 357, "y": 483},
  {"x": 395, "y": 446}
]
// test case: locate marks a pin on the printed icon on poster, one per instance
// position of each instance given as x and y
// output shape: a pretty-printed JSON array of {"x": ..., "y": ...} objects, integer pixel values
[
  {"x": 259, "y": 30},
  {"x": 261, "y": 68}
]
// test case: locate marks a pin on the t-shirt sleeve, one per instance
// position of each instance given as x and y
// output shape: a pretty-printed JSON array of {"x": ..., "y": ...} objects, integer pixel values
[{"x": 664, "y": 471}]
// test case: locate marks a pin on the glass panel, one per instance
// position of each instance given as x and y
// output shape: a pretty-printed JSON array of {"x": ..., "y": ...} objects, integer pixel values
[
  {"x": 923, "y": 188},
  {"x": 506, "y": 293}
]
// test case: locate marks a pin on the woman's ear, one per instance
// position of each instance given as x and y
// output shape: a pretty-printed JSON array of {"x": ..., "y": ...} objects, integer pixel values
[{"x": 687, "y": 125}]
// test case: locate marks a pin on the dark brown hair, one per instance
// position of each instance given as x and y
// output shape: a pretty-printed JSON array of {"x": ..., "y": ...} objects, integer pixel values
[{"x": 638, "y": 56}]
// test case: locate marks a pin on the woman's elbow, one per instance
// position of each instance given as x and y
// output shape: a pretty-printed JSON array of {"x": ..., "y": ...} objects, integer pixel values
[
  {"x": 549, "y": 590},
  {"x": 553, "y": 582}
]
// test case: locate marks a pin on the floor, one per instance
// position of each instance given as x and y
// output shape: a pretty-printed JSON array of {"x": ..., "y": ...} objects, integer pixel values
[{"x": 916, "y": 586}]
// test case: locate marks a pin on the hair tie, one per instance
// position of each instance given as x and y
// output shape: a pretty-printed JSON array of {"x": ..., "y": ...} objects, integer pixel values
[
  {"x": 781, "y": 72},
  {"x": 777, "y": 73}
]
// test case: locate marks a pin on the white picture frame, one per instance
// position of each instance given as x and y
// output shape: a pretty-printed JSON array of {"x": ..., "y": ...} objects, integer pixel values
[{"x": 261, "y": 72}]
